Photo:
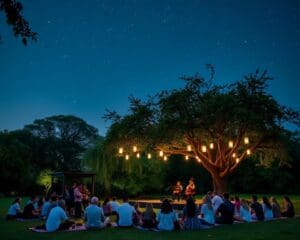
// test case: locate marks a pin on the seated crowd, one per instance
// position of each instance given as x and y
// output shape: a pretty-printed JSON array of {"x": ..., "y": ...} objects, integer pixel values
[{"x": 215, "y": 209}]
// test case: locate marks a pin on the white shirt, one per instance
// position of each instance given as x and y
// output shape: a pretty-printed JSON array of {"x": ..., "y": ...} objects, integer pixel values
[
  {"x": 208, "y": 214},
  {"x": 125, "y": 212},
  {"x": 14, "y": 209},
  {"x": 114, "y": 205},
  {"x": 94, "y": 216},
  {"x": 56, "y": 216},
  {"x": 166, "y": 220},
  {"x": 216, "y": 202}
]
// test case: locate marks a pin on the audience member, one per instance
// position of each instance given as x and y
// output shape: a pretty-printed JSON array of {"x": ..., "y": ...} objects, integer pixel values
[
  {"x": 106, "y": 207},
  {"x": 267, "y": 208},
  {"x": 190, "y": 215},
  {"x": 149, "y": 217},
  {"x": 275, "y": 208},
  {"x": 166, "y": 216},
  {"x": 113, "y": 205},
  {"x": 207, "y": 211},
  {"x": 125, "y": 214},
  {"x": 29, "y": 210},
  {"x": 257, "y": 209},
  {"x": 225, "y": 212},
  {"x": 288, "y": 207},
  {"x": 14, "y": 210},
  {"x": 94, "y": 215}
]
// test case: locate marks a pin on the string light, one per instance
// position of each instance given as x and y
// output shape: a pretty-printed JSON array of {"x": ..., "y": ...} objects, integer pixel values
[
  {"x": 211, "y": 146},
  {"x": 186, "y": 157},
  {"x": 204, "y": 148},
  {"x": 121, "y": 150},
  {"x": 138, "y": 155},
  {"x": 230, "y": 144},
  {"x": 161, "y": 153},
  {"x": 134, "y": 148},
  {"x": 127, "y": 157},
  {"x": 165, "y": 158},
  {"x": 237, "y": 160},
  {"x": 149, "y": 156},
  {"x": 189, "y": 148},
  {"x": 198, "y": 159},
  {"x": 248, "y": 151},
  {"x": 246, "y": 140},
  {"x": 233, "y": 155}
]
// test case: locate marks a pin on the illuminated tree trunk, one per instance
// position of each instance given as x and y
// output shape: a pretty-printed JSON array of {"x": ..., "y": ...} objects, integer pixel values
[{"x": 219, "y": 183}]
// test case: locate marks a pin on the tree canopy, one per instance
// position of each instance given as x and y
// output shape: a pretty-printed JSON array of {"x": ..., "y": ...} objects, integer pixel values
[{"x": 218, "y": 126}]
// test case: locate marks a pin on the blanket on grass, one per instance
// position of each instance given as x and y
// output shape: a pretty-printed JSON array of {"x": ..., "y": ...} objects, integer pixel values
[{"x": 77, "y": 229}]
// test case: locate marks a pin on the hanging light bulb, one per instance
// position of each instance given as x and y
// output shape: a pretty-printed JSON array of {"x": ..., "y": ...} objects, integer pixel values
[
  {"x": 149, "y": 156},
  {"x": 161, "y": 153},
  {"x": 189, "y": 148},
  {"x": 230, "y": 144},
  {"x": 248, "y": 151},
  {"x": 165, "y": 158},
  {"x": 204, "y": 149},
  {"x": 211, "y": 146},
  {"x": 237, "y": 160},
  {"x": 246, "y": 140},
  {"x": 234, "y": 155},
  {"x": 134, "y": 148},
  {"x": 198, "y": 159},
  {"x": 186, "y": 157},
  {"x": 121, "y": 150},
  {"x": 138, "y": 155},
  {"x": 127, "y": 157}
]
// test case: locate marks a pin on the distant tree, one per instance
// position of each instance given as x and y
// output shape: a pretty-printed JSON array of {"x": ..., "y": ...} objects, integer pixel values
[
  {"x": 65, "y": 138},
  {"x": 13, "y": 9},
  {"x": 218, "y": 126}
]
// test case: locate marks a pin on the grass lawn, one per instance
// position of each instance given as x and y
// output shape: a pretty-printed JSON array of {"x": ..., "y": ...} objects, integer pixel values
[{"x": 279, "y": 229}]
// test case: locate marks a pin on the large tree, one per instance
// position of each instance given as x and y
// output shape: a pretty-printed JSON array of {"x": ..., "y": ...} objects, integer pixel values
[
  {"x": 65, "y": 138},
  {"x": 218, "y": 126}
]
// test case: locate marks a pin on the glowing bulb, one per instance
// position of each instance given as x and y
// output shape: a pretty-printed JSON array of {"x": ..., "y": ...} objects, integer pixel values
[
  {"x": 211, "y": 146},
  {"x": 186, "y": 157},
  {"x": 127, "y": 157},
  {"x": 134, "y": 148},
  {"x": 161, "y": 153},
  {"x": 204, "y": 148},
  {"x": 246, "y": 140},
  {"x": 237, "y": 160},
  {"x": 121, "y": 150},
  {"x": 138, "y": 155},
  {"x": 189, "y": 148},
  {"x": 198, "y": 159},
  {"x": 248, "y": 151},
  {"x": 230, "y": 144},
  {"x": 165, "y": 158},
  {"x": 149, "y": 156},
  {"x": 233, "y": 155}
]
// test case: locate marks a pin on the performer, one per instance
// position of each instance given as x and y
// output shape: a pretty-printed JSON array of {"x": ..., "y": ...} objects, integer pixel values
[
  {"x": 177, "y": 191},
  {"x": 190, "y": 190}
]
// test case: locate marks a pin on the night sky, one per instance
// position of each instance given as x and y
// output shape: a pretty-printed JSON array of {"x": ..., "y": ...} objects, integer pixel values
[{"x": 91, "y": 55}]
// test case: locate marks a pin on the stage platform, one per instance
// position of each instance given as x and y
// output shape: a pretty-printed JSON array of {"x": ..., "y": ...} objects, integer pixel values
[{"x": 157, "y": 203}]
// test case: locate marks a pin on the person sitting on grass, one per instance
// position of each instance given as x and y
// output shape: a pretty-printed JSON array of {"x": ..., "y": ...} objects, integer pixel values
[
  {"x": 14, "y": 210},
  {"x": 57, "y": 219},
  {"x": 267, "y": 208},
  {"x": 166, "y": 216},
  {"x": 113, "y": 205},
  {"x": 29, "y": 210},
  {"x": 275, "y": 208},
  {"x": 149, "y": 217},
  {"x": 106, "y": 207},
  {"x": 216, "y": 200},
  {"x": 225, "y": 212},
  {"x": 45, "y": 208},
  {"x": 288, "y": 207},
  {"x": 190, "y": 215},
  {"x": 125, "y": 214},
  {"x": 257, "y": 209},
  {"x": 137, "y": 216},
  {"x": 94, "y": 215},
  {"x": 207, "y": 211},
  {"x": 245, "y": 212}
]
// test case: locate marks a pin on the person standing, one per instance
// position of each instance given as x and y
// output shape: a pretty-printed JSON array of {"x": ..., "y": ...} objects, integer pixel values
[
  {"x": 78, "y": 200},
  {"x": 190, "y": 190},
  {"x": 177, "y": 191}
]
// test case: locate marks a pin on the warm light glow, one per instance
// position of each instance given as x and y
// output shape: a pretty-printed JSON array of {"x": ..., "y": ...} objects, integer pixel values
[
  {"x": 233, "y": 155},
  {"x": 127, "y": 157},
  {"x": 204, "y": 148},
  {"x": 149, "y": 156},
  {"x": 186, "y": 157},
  {"x": 230, "y": 144},
  {"x": 121, "y": 150},
  {"x": 189, "y": 148},
  {"x": 138, "y": 155},
  {"x": 248, "y": 151},
  {"x": 211, "y": 146},
  {"x": 198, "y": 159},
  {"x": 246, "y": 140},
  {"x": 134, "y": 148},
  {"x": 165, "y": 158},
  {"x": 161, "y": 153},
  {"x": 237, "y": 160}
]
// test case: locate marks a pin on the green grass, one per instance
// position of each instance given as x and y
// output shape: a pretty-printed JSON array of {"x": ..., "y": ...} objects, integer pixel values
[{"x": 279, "y": 229}]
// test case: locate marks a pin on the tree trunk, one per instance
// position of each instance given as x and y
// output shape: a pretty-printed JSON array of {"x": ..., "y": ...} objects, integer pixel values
[{"x": 219, "y": 184}]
